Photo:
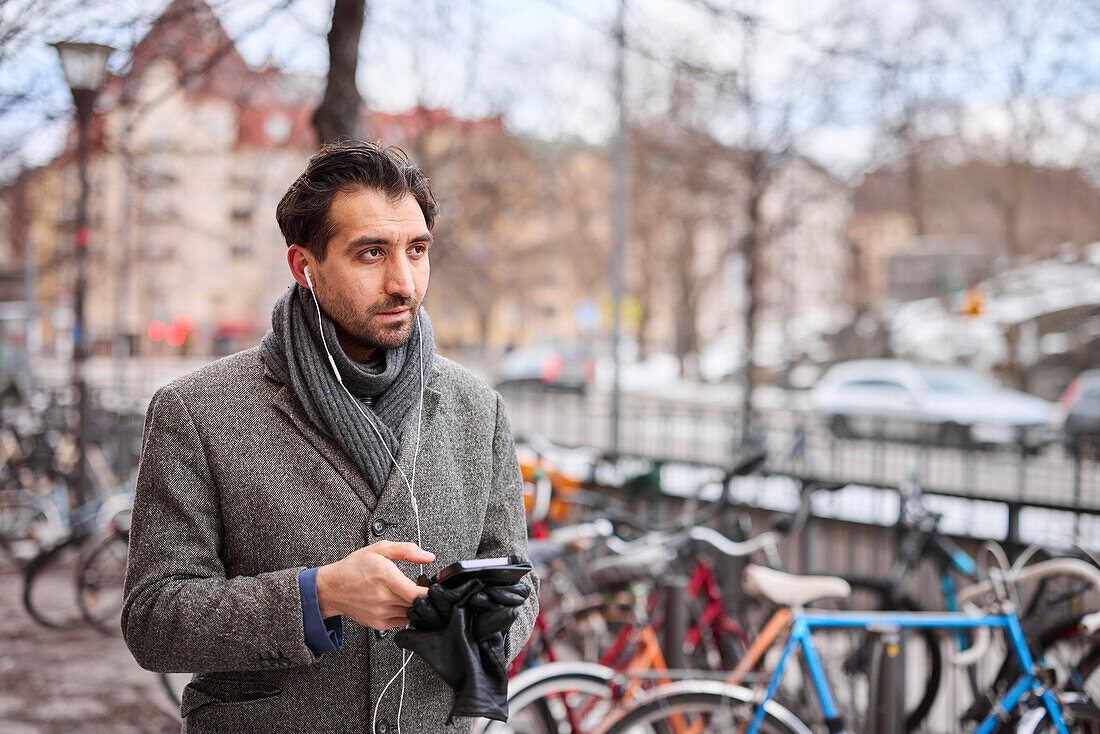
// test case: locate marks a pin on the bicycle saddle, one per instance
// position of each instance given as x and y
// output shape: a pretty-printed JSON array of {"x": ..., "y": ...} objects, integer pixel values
[{"x": 789, "y": 590}]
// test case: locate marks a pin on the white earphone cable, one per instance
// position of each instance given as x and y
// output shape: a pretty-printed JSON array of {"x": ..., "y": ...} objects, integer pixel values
[{"x": 406, "y": 657}]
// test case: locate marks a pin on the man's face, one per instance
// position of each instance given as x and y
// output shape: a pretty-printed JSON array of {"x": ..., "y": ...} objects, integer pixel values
[{"x": 375, "y": 272}]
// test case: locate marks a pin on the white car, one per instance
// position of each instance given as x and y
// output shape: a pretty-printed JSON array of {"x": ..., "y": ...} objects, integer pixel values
[
  {"x": 947, "y": 405},
  {"x": 546, "y": 366}
]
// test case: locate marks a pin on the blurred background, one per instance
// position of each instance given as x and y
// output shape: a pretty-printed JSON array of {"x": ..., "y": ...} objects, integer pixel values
[{"x": 862, "y": 236}]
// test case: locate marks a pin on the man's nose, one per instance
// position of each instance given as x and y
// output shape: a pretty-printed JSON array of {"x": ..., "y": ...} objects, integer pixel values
[{"x": 399, "y": 280}]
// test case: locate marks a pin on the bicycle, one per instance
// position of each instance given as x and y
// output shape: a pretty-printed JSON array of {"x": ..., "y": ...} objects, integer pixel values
[
  {"x": 707, "y": 706},
  {"x": 575, "y": 696},
  {"x": 81, "y": 549},
  {"x": 710, "y": 634},
  {"x": 920, "y": 541},
  {"x": 101, "y": 575},
  {"x": 55, "y": 575}
]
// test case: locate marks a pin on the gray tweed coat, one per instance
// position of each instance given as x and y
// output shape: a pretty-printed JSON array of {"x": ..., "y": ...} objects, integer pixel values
[{"x": 237, "y": 492}]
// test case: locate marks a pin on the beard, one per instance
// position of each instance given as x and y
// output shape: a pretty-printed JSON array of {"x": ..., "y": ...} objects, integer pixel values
[{"x": 364, "y": 330}]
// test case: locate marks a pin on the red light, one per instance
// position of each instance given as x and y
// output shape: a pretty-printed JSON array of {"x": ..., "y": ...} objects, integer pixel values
[
  {"x": 551, "y": 368},
  {"x": 182, "y": 322},
  {"x": 176, "y": 335},
  {"x": 1071, "y": 393},
  {"x": 158, "y": 330}
]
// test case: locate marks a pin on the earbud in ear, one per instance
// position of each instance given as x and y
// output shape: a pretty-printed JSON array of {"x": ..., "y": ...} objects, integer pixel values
[{"x": 310, "y": 282}]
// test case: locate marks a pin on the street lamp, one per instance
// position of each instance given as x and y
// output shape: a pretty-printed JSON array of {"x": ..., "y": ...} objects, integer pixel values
[{"x": 85, "y": 67}]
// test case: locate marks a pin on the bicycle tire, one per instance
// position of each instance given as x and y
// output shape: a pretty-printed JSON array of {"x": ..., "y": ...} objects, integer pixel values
[
  {"x": 18, "y": 517},
  {"x": 1089, "y": 672},
  {"x": 48, "y": 586},
  {"x": 718, "y": 707},
  {"x": 100, "y": 579},
  {"x": 171, "y": 683},
  {"x": 541, "y": 699},
  {"x": 1080, "y": 718},
  {"x": 915, "y": 716},
  {"x": 15, "y": 512}
]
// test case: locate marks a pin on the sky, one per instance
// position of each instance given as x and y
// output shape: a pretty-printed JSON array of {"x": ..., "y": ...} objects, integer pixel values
[{"x": 547, "y": 65}]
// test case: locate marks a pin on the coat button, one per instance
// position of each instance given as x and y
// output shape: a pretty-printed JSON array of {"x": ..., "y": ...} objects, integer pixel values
[
  {"x": 383, "y": 727},
  {"x": 381, "y": 634},
  {"x": 378, "y": 526}
]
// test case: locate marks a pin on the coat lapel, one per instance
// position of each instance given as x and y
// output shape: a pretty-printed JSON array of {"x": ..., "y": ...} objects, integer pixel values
[{"x": 287, "y": 403}]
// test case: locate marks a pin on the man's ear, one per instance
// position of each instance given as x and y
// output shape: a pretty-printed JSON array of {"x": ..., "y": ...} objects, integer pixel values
[{"x": 296, "y": 258}]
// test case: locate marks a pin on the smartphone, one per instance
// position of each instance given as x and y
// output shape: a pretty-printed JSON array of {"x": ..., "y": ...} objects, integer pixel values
[{"x": 491, "y": 571}]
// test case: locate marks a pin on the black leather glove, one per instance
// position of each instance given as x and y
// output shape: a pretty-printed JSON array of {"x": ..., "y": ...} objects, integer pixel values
[
  {"x": 474, "y": 669},
  {"x": 460, "y": 633},
  {"x": 432, "y": 612},
  {"x": 496, "y": 608}
]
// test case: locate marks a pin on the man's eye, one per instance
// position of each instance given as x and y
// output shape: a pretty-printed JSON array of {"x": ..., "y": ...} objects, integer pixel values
[
  {"x": 373, "y": 252},
  {"x": 419, "y": 249}
]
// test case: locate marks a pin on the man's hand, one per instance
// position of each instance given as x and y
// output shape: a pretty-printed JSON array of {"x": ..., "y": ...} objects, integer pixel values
[{"x": 367, "y": 586}]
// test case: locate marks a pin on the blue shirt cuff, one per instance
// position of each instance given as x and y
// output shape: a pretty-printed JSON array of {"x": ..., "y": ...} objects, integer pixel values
[{"x": 322, "y": 635}]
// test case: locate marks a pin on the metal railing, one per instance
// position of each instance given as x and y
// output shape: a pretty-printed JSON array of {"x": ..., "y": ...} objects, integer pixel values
[{"x": 1014, "y": 478}]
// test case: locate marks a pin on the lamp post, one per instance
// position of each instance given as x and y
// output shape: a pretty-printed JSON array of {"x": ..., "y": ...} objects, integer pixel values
[
  {"x": 85, "y": 67},
  {"x": 620, "y": 223}
]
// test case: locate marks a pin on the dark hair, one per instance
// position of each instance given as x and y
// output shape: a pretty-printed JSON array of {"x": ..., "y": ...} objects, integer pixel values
[{"x": 344, "y": 165}]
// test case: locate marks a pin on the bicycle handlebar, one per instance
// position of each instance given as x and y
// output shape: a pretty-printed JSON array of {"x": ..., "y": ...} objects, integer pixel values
[
  {"x": 709, "y": 536},
  {"x": 977, "y": 651},
  {"x": 1090, "y": 623},
  {"x": 600, "y": 528},
  {"x": 1034, "y": 572},
  {"x": 733, "y": 548}
]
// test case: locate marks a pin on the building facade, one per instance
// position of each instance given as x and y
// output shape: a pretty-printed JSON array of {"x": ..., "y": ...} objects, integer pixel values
[{"x": 192, "y": 149}]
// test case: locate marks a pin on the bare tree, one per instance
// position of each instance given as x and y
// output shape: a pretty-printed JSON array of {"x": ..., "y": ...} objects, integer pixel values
[
  {"x": 686, "y": 193},
  {"x": 338, "y": 113},
  {"x": 762, "y": 139},
  {"x": 495, "y": 240},
  {"x": 1045, "y": 77}
]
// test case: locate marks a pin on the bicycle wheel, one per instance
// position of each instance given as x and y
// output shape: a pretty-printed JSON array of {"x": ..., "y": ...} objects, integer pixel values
[
  {"x": 173, "y": 685},
  {"x": 16, "y": 515},
  {"x": 556, "y": 698},
  {"x": 100, "y": 580},
  {"x": 923, "y": 655},
  {"x": 23, "y": 528},
  {"x": 1085, "y": 677},
  {"x": 1080, "y": 718},
  {"x": 1062, "y": 648},
  {"x": 48, "y": 586},
  {"x": 701, "y": 706}
]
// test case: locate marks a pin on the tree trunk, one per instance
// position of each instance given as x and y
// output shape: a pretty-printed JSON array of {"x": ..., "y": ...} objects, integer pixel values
[
  {"x": 484, "y": 324},
  {"x": 645, "y": 298},
  {"x": 914, "y": 179},
  {"x": 338, "y": 113},
  {"x": 1010, "y": 210},
  {"x": 646, "y": 240},
  {"x": 752, "y": 245},
  {"x": 685, "y": 306}
]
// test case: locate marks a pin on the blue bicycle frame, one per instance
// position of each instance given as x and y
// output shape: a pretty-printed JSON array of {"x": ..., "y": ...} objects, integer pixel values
[{"x": 803, "y": 624}]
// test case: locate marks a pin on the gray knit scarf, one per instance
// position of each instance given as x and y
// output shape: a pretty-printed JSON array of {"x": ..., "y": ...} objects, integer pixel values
[{"x": 388, "y": 387}]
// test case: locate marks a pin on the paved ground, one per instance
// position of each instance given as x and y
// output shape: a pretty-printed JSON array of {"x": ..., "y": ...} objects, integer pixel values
[{"x": 79, "y": 680}]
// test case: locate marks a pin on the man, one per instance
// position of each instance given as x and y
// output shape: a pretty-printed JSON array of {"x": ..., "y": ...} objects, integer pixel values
[{"x": 288, "y": 495}]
